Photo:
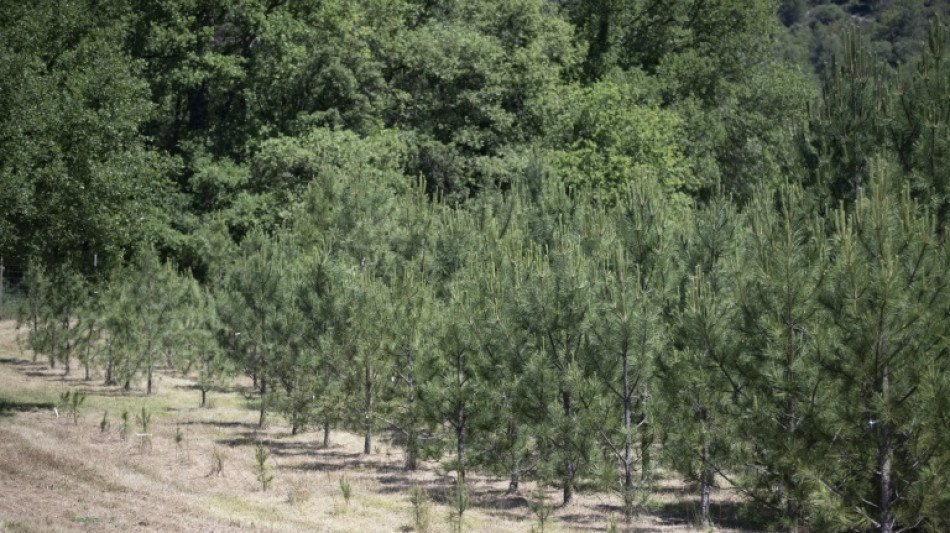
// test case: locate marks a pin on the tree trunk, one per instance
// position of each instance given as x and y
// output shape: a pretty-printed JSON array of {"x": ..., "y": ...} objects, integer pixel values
[
  {"x": 515, "y": 477},
  {"x": 148, "y": 359},
  {"x": 326, "y": 434},
  {"x": 705, "y": 478},
  {"x": 368, "y": 406},
  {"x": 884, "y": 458},
  {"x": 412, "y": 452},
  {"x": 263, "y": 418},
  {"x": 460, "y": 442},
  {"x": 109, "y": 379},
  {"x": 66, "y": 361},
  {"x": 646, "y": 441},
  {"x": 204, "y": 397},
  {"x": 569, "y": 466},
  {"x": 88, "y": 349},
  {"x": 1, "y": 288},
  {"x": 516, "y": 461},
  {"x": 627, "y": 440}
]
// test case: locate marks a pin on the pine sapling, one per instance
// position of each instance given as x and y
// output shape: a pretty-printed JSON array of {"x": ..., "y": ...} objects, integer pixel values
[
  {"x": 126, "y": 424},
  {"x": 263, "y": 469},
  {"x": 145, "y": 423},
  {"x": 105, "y": 424},
  {"x": 459, "y": 505},
  {"x": 421, "y": 509},
  {"x": 346, "y": 489},
  {"x": 541, "y": 507},
  {"x": 71, "y": 402},
  {"x": 179, "y": 440},
  {"x": 217, "y": 462}
]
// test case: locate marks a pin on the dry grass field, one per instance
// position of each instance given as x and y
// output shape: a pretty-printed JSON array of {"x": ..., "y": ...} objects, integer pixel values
[{"x": 57, "y": 475}]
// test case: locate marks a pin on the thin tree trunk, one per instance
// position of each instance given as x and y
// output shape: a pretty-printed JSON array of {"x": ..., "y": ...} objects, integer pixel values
[
  {"x": 368, "y": 406},
  {"x": 569, "y": 466},
  {"x": 884, "y": 459},
  {"x": 515, "y": 476},
  {"x": 36, "y": 325},
  {"x": 128, "y": 370},
  {"x": 204, "y": 397},
  {"x": 460, "y": 415},
  {"x": 326, "y": 433},
  {"x": 88, "y": 350},
  {"x": 109, "y": 363},
  {"x": 66, "y": 358},
  {"x": 627, "y": 440},
  {"x": 148, "y": 358},
  {"x": 516, "y": 461},
  {"x": 263, "y": 418},
  {"x": 706, "y": 477},
  {"x": 1, "y": 288},
  {"x": 460, "y": 442},
  {"x": 646, "y": 441},
  {"x": 412, "y": 445}
]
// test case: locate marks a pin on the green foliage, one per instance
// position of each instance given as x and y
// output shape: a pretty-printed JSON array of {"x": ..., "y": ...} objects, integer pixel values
[
  {"x": 617, "y": 134},
  {"x": 346, "y": 490},
  {"x": 563, "y": 241},
  {"x": 886, "y": 293},
  {"x": 126, "y": 428},
  {"x": 71, "y": 402}
]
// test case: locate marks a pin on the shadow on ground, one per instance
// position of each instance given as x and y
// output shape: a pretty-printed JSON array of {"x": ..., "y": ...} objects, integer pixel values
[{"x": 11, "y": 407}]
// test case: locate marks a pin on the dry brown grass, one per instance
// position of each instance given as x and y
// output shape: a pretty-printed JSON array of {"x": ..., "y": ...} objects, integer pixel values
[{"x": 57, "y": 476}]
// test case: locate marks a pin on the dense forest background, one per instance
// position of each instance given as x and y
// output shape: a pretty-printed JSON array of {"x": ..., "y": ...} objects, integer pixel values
[{"x": 574, "y": 241}]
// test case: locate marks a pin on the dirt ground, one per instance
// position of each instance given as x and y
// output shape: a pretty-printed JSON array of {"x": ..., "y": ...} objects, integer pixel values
[{"x": 57, "y": 475}]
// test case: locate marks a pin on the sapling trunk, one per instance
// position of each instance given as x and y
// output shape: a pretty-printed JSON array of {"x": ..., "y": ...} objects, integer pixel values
[
  {"x": 66, "y": 357},
  {"x": 263, "y": 416},
  {"x": 148, "y": 356},
  {"x": 367, "y": 410},
  {"x": 705, "y": 475},
  {"x": 885, "y": 452},
  {"x": 569, "y": 466}
]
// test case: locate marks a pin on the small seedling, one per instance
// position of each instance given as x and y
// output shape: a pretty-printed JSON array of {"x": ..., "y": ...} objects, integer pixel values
[
  {"x": 459, "y": 505},
  {"x": 105, "y": 424},
  {"x": 179, "y": 437},
  {"x": 179, "y": 440},
  {"x": 145, "y": 421},
  {"x": 71, "y": 402},
  {"x": 346, "y": 490},
  {"x": 421, "y": 509},
  {"x": 217, "y": 462},
  {"x": 145, "y": 424},
  {"x": 126, "y": 425},
  {"x": 540, "y": 506},
  {"x": 264, "y": 475},
  {"x": 612, "y": 524}
]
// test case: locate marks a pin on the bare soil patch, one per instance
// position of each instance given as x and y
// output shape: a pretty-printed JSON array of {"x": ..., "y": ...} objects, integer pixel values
[{"x": 57, "y": 475}]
